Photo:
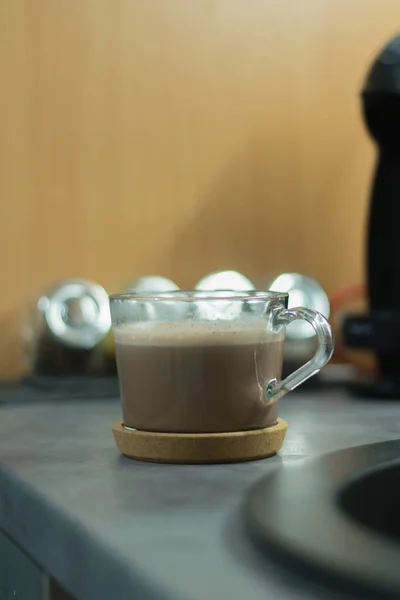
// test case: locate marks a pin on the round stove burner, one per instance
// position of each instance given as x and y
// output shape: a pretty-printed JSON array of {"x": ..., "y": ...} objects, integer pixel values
[{"x": 335, "y": 518}]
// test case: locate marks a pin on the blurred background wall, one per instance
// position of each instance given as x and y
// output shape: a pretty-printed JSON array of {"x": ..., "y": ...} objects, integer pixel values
[{"x": 179, "y": 137}]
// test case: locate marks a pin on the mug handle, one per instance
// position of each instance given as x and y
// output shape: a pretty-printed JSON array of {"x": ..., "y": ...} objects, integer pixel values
[{"x": 282, "y": 317}]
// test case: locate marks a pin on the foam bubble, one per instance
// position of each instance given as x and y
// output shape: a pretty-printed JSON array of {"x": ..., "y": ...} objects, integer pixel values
[{"x": 195, "y": 332}]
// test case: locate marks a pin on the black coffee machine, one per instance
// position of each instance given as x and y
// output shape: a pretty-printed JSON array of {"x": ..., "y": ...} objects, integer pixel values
[{"x": 380, "y": 329}]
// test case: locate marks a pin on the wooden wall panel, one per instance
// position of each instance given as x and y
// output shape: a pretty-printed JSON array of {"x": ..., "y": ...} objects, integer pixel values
[{"x": 181, "y": 137}]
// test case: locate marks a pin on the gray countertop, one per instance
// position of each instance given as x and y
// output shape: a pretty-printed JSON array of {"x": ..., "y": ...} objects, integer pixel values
[{"x": 107, "y": 527}]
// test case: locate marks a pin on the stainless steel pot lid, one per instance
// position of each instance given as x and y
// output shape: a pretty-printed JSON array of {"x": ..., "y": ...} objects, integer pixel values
[{"x": 77, "y": 313}]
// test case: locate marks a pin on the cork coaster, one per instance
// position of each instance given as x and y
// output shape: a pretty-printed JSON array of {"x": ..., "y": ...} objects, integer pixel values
[{"x": 199, "y": 447}]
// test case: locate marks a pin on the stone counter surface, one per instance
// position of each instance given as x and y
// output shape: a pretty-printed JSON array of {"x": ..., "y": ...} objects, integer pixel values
[{"x": 109, "y": 528}]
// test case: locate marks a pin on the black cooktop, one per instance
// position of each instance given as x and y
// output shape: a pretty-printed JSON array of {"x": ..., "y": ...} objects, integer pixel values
[{"x": 335, "y": 518}]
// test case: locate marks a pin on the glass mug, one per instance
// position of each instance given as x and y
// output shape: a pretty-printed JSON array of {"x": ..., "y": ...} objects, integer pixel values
[{"x": 204, "y": 361}]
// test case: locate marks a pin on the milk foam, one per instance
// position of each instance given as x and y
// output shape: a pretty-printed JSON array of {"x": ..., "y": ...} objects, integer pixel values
[{"x": 153, "y": 333}]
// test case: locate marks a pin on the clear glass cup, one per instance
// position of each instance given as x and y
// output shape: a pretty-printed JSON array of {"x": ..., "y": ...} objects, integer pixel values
[{"x": 207, "y": 361}]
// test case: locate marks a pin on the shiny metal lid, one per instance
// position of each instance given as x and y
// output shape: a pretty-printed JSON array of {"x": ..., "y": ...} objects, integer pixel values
[
  {"x": 228, "y": 281},
  {"x": 153, "y": 283},
  {"x": 225, "y": 280},
  {"x": 77, "y": 313},
  {"x": 303, "y": 291}
]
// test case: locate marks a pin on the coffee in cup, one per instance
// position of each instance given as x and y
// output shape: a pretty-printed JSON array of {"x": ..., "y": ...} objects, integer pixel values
[
  {"x": 197, "y": 377},
  {"x": 206, "y": 362}
]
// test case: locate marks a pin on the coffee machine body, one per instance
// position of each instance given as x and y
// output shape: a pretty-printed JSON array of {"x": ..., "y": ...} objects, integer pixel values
[{"x": 380, "y": 329}]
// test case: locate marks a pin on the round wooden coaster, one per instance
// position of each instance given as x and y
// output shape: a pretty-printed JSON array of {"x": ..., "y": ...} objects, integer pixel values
[{"x": 199, "y": 447}]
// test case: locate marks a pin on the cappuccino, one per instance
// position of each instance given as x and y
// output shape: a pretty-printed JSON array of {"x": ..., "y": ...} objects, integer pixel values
[{"x": 197, "y": 376}]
